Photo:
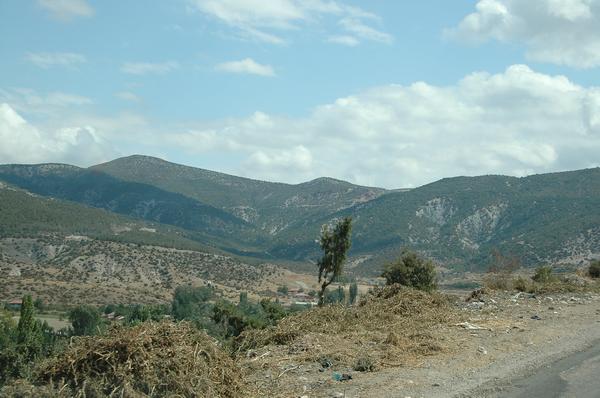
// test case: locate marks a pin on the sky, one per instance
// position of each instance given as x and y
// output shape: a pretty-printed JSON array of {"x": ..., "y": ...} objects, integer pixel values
[{"x": 394, "y": 94}]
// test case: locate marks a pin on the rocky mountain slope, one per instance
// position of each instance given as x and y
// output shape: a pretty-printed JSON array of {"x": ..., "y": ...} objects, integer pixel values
[
  {"x": 457, "y": 221},
  {"x": 270, "y": 207},
  {"x": 66, "y": 253}
]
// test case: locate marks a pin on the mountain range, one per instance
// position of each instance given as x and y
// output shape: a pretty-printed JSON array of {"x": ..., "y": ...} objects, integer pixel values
[{"x": 458, "y": 222}]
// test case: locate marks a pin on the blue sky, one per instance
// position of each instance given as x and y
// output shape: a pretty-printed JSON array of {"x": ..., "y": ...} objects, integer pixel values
[{"x": 382, "y": 93}]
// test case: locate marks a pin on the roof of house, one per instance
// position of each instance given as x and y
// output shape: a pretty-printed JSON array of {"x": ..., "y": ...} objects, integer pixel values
[{"x": 16, "y": 301}]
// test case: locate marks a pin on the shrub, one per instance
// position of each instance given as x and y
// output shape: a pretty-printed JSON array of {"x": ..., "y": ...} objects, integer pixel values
[
  {"x": 411, "y": 270},
  {"x": 594, "y": 269},
  {"x": 364, "y": 364},
  {"x": 521, "y": 285},
  {"x": 495, "y": 281},
  {"x": 543, "y": 274}
]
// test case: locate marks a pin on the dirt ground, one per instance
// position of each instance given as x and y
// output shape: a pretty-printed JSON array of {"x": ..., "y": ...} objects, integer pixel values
[{"x": 502, "y": 338}]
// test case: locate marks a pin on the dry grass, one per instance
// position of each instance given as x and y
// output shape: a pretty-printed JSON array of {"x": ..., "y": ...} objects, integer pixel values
[
  {"x": 391, "y": 327},
  {"x": 152, "y": 359},
  {"x": 570, "y": 283},
  {"x": 394, "y": 325}
]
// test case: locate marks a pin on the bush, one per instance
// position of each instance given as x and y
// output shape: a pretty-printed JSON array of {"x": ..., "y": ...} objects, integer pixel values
[
  {"x": 364, "y": 364},
  {"x": 543, "y": 274},
  {"x": 495, "y": 281},
  {"x": 411, "y": 270},
  {"x": 594, "y": 269},
  {"x": 521, "y": 285}
]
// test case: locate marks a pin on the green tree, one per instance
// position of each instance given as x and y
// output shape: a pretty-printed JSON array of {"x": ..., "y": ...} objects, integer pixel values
[
  {"x": 352, "y": 293},
  {"x": 335, "y": 296},
  {"x": 243, "y": 298},
  {"x": 29, "y": 332},
  {"x": 22, "y": 345},
  {"x": 85, "y": 321},
  {"x": 233, "y": 320},
  {"x": 594, "y": 269},
  {"x": 283, "y": 289},
  {"x": 191, "y": 303},
  {"x": 335, "y": 244},
  {"x": 274, "y": 311},
  {"x": 39, "y": 304},
  {"x": 411, "y": 270}
]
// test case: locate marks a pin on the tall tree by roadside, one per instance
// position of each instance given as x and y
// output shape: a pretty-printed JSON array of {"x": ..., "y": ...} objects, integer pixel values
[{"x": 335, "y": 243}]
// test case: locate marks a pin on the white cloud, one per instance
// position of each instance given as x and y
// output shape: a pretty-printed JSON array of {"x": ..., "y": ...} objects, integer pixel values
[
  {"x": 42, "y": 104},
  {"x": 143, "y": 68},
  {"x": 345, "y": 40},
  {"x": 128, "y": 96},
  {"x": 516, "y": 122},
  {"x": 292, "y": 160},
  {"x": 246, "y": 66},
  {"x": 563, "y": 32},
  {"x": 357, "y": 27},
  {"x": 47, "y": 60},
  {"x": 23, "y": 142},
  {"x": 67, "y": 9},
  {"x": 269, "y": 21}
]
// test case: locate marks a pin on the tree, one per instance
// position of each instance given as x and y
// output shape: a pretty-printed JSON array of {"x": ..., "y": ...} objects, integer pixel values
[
  {"x": 352, "y": 293},
  {"x": 274, "y": 311},
  {"x": 283, "y": 289},
  {"x": 335, "y": 244},
  {"x": 335, "y": 296},
  {"x": 29, "y": 332},
  {"x": 594, "y": 269},
  {"x": 411, "y": 270},
  {"x": 85, "y": 320},
  {"x": 191, "y": 303}
]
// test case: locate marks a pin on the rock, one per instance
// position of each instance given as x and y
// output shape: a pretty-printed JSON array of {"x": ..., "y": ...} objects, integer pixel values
[
  {"x": 469, "y": 326},
  {"x": 476, "y": 305},
  {"x": 482, "y": 350}
]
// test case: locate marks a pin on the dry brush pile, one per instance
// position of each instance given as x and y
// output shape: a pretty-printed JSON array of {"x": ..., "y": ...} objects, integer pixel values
[
  {"x": 153, "y": 359},
  {"x": 392, "y": 326}
]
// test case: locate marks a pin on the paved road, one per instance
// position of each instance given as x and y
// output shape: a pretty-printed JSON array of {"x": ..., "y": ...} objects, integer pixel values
[{"x": 576, "y": 376}]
